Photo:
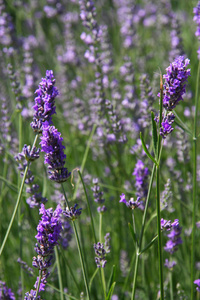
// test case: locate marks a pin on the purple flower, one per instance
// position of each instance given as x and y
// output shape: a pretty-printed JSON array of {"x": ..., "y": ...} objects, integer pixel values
[
  {"x": 170, "y": 264},
  {"x": 166, "y": 125},
  {"x": 174, "y": 237},
  {"x": 196, "y": 11},
  {"x": 5, "y": 292},
  {"x": 131, "y": 203},
  {"x": 72, "y": 213},
  {"x": 101, "y": 250},
  {"x": 51, "y": 144},
  {"x": 141, "y": 174},
  {"x": 49, "y": 230},
  {"x": 98, "y": 196},
  {"x": 197, "y": 282},
  {"x": 175, "y": 79},
  {"x": 44, "y": 102}
]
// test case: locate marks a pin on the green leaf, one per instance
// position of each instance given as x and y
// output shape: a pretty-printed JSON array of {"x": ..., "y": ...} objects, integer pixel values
[
  {"x": 93, "y": 276},
  {"x": 147, "y": 151},
  {"x": 154, "y": 134},
  {"x": 132, "y": 233},
  {"x": 112, "y": 277},
  {"x": 149, "y": 245},
  {"x": 111, "y": 291}
]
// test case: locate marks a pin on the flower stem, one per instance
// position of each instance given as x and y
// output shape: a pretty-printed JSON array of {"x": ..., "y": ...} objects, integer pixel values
[
  {"x": 88, "y": 205},
  {"x": 82, "y": 260},
  {"x": 138, "y": 249},
  {"x": 194, "y": 184},
  {"x": 102, "y": 270},
  {"x": 59, "y": 274},
  {"x": 79, "y": 249},
  {"x": 17, "y": 202}
]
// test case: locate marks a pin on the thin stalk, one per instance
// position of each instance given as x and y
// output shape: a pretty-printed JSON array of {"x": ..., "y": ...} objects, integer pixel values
[
  {"x": 88, "y": 205},
  {"x": 19, "y": 209},
  {"x": 102, "y": 270},
  {"x": 82, "y": 261},
  {"x": 85, "y": 158},
  {"x": 38, "y": 285},
  {"x": 59, "y": 274},
  {"x": 160, "y": 256},
  {"x": 138, "y": 249},
  {"x": 17, "y": 202},
  {"x": 171, "y": 286},
  {"x": 79, "y": 249},
  {"x": 194, "y": 185}
]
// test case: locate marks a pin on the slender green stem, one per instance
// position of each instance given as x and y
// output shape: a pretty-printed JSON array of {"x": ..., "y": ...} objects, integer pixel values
[
  {"x": 100, "y": 228},
  {"x": 38, "y": 284},
  {"x": 194, "y": 185},
  {"x": 82, "y": 260},
  {"x": 85, "y": 158},
  {"x": 171, "y": 286},
  {"x": 102, "y": 270},
  {"x": 59, "y": 274},
  {"x": 79, "y": 249},
  {"x": 160, "y": 256},
  {"x": 88, "y": 205},
  {"x": 138, "y": 249},
  {"x": 17, "y": 203}
]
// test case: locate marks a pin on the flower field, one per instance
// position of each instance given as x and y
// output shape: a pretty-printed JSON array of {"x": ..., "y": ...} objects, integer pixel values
[{"x": 99, "y": 150}]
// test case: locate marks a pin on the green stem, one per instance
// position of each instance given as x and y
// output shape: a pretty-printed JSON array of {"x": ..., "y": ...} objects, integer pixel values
[
  {"x": 160, "y": 256},
  {"x": 171, "y": 286},
  {"x": 82, "y": 260},
  {"x": 85, "y": 158},
  {"x": 38, "y": 284},
  {"x": 194, "y": 185},
  {"x": 88, "y": 205},
  {"x": 59, "y": 274},
  {"x": 138, "y": 249},
  {"x": 79, "y": 249},
  {"x": 17, "y": 203},
  {"x": 102, "y": 270}
]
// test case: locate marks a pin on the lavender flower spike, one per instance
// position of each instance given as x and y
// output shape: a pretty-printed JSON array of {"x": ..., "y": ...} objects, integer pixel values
[
  {"x": 44, "y": 102},
  {"x": 5, "y": 292},
  {"x": 49, "y": 229},
  {"x": 51, "y": 144},
  {"x": 175, "y": 79},
  {"x": 197, "y": 282},
  {"x": 196, "y": 11}
]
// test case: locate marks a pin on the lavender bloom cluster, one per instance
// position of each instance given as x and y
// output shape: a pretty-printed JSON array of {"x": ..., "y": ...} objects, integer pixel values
[
  {"x": 197, "y": 282},
  {"x": 101, "y": 250},
  {"x": 131, "y": 203},
  {"x": 175, "y": 82},
  {"x": 174, "y": 235},
  {"x": 49, "y": 229},
  {"x": 29, "y": 155},
  {"x": 44, "y": 102},
  {"x": 196, "y": 11},
  {"x": 51, "y": 144},
  {"x": 5, "y": 292},
  {"x": 173, "y": 91},
  {"x": 72, "y": 213},
  {"x": 141, "y": 175},
  {"x": 98, "y": 196}
]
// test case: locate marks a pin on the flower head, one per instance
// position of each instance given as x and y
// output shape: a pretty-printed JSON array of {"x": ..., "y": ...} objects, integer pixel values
[
  {"x": 131, "y": 203},
  {"x": 175, "y": 79},
  {"x": 197, "y": 282},
  {"x": 51, "y": 144},
  {"x": 5, "y": 292},
  {"x": 44, "y": 102},
  {"x": 196, "y": 11},
  {"x": 73, "y": 213}
]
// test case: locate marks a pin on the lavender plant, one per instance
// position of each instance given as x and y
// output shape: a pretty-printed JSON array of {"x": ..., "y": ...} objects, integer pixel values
[{"x": 106, "y": 139}]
